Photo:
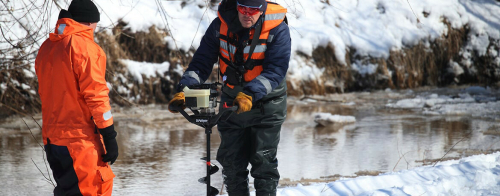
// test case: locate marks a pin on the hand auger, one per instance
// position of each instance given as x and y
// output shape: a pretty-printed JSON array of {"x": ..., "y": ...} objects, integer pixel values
[{"x": 205, "y": 117}]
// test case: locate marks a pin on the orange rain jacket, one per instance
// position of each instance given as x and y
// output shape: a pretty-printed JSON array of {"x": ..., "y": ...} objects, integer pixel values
[{"x": 71, "y": 67}]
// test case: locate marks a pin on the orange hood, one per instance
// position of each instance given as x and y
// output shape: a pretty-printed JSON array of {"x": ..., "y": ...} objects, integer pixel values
[{"x": 66, "y": 27}]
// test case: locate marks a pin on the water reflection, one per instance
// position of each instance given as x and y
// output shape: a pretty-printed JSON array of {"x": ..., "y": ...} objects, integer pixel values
[
  {"x": 160, "y": 152},
  {"x": 156, "y": 161}
]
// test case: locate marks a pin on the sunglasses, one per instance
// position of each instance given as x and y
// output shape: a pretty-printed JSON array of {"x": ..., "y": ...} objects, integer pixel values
[{"x": 248, "y": 10}]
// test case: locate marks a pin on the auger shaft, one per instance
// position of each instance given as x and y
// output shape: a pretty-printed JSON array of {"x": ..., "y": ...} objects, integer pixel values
[{"x": 208, "y": 132}]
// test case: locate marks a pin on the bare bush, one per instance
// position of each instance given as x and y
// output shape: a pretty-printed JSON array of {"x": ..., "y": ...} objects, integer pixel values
[{"x": 24, "y": 25}]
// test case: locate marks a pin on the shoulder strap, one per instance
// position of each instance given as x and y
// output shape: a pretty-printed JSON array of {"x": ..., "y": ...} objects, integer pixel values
[
  {"x": 229, "y": 62},
  {"x": 255, "y": 40}
]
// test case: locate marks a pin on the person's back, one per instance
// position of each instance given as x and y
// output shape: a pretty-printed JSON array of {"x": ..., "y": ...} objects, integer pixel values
[
  {"x": 61, "y": 61},
  {"x": 75, "y": 104}
]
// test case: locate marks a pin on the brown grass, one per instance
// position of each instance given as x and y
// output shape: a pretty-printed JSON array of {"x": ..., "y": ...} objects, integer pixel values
[
  {"x": 286, "y": 182},
  {"x": 142, "y": 47},
  {"x": 414, "y": 66},
  {"x": 493, "y": 130}
]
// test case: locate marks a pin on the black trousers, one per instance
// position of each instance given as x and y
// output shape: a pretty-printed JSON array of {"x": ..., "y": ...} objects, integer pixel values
[
  {"x": 64, "y": 174},
  {"x": 251, "y": 138}
]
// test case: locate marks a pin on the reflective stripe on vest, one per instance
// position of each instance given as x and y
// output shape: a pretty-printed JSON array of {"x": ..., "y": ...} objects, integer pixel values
[
  {"x": 258, "y": 49},
  {"x": 275, "y": 14},
  {"x": 224, "y": 45}
]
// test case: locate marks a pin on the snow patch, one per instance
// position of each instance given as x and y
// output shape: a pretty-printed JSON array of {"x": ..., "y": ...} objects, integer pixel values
[
  {"x": 455, "y": 69},
  {"x": 365, "y": 69},
  {"x": 29, "y": 73},
  {"x": 3, "y": 87},
  {"x": 326, "y": 119},
  {"x": 25, "y": 86},
  {"x": 475, "y": 175},
  {"x": 138, "y": 69}
]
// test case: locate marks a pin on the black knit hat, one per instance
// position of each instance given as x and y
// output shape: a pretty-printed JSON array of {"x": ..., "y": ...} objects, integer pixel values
[
  {"x": 84, "y": 11},
  {"x": 254, "y": 3},
  {"x": 64, "y": 14}
]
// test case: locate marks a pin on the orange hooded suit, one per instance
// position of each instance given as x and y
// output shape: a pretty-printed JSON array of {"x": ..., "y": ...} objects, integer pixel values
[{"x": 71, "y": 67}]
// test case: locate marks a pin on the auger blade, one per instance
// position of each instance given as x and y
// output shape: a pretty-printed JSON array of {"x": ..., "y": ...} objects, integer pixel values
[
  {"x": 213, "y": 169},
  {"x": 203, "y": 180},
  {"x": 213, "y": 191}
]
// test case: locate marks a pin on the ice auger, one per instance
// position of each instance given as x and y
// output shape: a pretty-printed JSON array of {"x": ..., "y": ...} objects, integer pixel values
[{"x": 202, "y": 100}]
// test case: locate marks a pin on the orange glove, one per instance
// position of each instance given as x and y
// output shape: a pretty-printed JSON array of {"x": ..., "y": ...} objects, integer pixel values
[
  {"x": 244, "y": 102},
  {"x": 178, "y": 100}
]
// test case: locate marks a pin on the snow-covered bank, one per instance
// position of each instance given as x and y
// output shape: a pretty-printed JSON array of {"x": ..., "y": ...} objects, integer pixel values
[
  {"x": 357, "y": 33},
  {"x": 475, "y": 175},
  {"x": 370, "y": 28},
  {"x": 337, "y": 45}
]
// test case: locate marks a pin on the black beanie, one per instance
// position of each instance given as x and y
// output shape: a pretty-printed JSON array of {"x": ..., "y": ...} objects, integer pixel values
[
  {"x": 84, "y": 11},
  {"x": 64, "y": 14},
  {"x": 254, "y": 3}
]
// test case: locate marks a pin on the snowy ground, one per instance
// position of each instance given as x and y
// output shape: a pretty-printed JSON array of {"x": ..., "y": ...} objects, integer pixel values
[{"x": 475, "y": 175}]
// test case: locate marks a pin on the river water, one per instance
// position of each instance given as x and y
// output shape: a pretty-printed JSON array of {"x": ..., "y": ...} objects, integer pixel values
[{"x": 160, "y": 152}]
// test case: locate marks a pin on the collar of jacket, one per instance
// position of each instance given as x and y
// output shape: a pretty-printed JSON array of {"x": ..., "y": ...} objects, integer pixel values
[{"x": 66, "y": 27}]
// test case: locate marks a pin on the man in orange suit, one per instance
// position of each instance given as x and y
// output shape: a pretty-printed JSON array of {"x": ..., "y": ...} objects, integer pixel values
[{"x": 78, "y": 131}]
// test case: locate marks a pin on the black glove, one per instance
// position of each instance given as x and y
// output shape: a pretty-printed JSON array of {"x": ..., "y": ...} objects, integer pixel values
[{"x": 109, "y": 138}]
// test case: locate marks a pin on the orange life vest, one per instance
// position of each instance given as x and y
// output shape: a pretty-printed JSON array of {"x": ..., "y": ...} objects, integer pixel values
[{"x": 274, "y": 16}]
